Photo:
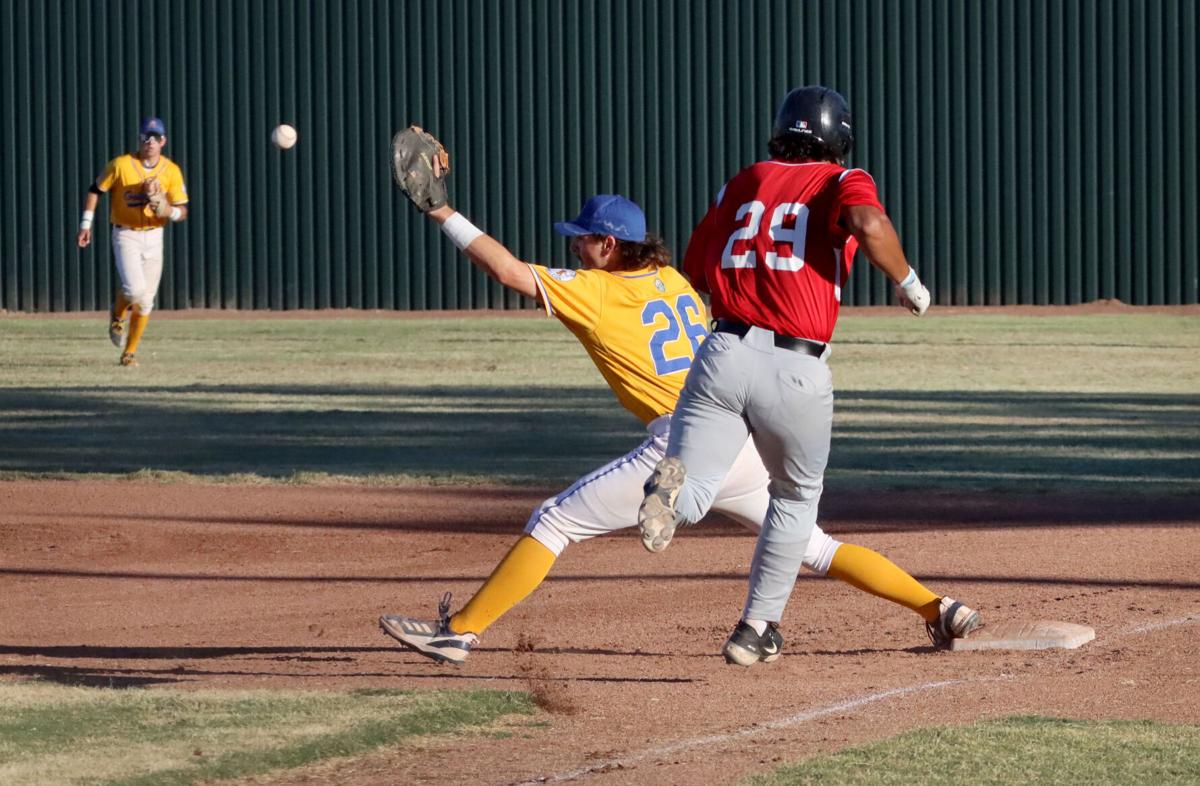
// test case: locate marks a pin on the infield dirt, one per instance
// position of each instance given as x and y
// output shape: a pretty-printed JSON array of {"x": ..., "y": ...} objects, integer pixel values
[{"x": 205, "y": 586}]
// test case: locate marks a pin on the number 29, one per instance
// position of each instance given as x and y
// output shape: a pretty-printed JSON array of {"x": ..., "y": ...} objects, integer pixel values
[{"x": 787, "y": 243}]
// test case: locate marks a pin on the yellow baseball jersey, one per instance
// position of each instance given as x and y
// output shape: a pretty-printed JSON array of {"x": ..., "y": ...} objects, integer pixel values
[
  {"x": 641, "y": 328},
  {"x": 126, "y": 178}
]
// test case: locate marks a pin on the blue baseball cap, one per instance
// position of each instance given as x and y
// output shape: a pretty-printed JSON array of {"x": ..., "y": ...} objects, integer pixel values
[
  {"x": 607, "y": 214},
  {"x": 152, "y": 125}
]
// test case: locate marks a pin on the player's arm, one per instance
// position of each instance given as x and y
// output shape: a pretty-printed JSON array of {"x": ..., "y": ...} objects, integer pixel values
[
  {"x": 694, "y": 261},
  {"x": 487, "y": 253},
  {"x": 693, "y": 258},
  {"x": 177, "y": 196},
  {"x": 84, "y": 238},
  {"x": 877, "y": 239}
]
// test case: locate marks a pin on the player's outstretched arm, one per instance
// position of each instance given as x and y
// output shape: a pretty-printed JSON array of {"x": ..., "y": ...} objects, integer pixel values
[
  {"x": 487, "y": 253},
  {"x": 878, "y": 240}
]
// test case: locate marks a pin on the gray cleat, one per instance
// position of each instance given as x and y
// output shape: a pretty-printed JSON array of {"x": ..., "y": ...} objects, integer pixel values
[
  {"x": 433, "y": 639},
  {"x": 657, "y": 519},
  {"x": 955, "y": 621},
  {"x": 116, "y": 333}
]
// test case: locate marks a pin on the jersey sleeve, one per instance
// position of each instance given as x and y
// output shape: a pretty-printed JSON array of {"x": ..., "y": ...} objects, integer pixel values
[
  {"x": 575, "y": 297},
  {"x": 176, "y": 190},
  {"x": 693, "y": 257},
  {"x": 856, "y": 187},
  {"x": 107, "y": 178}
]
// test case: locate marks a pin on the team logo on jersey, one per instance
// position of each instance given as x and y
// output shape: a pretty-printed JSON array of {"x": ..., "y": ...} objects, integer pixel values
[
  {"x": 136, "y": 198},
  {"x": 659, "y": 285},
  {"x": 559, "y": 274}
]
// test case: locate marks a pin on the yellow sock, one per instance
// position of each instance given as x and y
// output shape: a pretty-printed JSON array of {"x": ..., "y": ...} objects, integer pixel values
[
  {"x": 120, "y": 305},
  {"x": 517, "y": 575},
  {"x": 137, "y": 325},
  {"x": 872, "y": 572}
]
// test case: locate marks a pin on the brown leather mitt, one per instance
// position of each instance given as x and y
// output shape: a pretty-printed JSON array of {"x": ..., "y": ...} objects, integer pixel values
[{"x": 420, "y": 165}]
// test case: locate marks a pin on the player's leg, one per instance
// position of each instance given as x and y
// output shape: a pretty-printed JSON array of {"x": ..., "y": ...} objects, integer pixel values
[
  {"x": 520, "y": 572},
  {"x": 870, "y": 571},
  {"x": 744, "y": 498},
  {"x": 116, "y": 319},
  {"x": 143, "y": 296},
  {"x": 874, "y": 573},
  {"x": 791, "y": 409},
  {"x": 600, "y": 502},
  {"x": 707, "y": 434},
  {"x": 127, "y": 259}
]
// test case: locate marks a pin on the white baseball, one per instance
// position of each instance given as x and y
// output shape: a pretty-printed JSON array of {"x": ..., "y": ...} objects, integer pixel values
[{"x": 284, "y": 136}]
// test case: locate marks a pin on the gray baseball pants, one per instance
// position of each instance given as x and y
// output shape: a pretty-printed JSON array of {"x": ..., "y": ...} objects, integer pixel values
[{"x": 741, "y": 385}]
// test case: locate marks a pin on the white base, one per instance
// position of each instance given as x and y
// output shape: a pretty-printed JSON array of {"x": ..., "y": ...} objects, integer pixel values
[{"x": 1037, "y": 635}]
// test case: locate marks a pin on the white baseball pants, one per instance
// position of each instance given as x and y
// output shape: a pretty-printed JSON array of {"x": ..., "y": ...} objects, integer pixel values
[
  {"x": 138, "y": 255},
  {"x": 607, "y": 499}
]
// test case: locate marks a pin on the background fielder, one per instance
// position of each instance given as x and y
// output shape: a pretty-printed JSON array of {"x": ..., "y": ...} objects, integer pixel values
[
  {"x": 147, "y": 192},
  {"x": 641, "y": 323}
]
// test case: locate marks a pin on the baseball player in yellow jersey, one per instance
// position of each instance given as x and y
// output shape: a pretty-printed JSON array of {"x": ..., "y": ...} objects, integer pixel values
[
  {"x": 641, "y": 323},
  {"x": 147, "y": 192}
]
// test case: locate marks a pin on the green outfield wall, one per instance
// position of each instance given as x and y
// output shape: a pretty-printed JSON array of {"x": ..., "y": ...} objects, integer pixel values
[{"x": 1029, "y": 151}]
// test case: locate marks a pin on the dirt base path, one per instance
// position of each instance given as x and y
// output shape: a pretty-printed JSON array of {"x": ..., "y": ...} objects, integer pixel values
[{"x": 129, "y": 584}]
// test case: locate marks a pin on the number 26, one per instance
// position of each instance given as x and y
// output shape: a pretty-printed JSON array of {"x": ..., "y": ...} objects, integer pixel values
[{"x": 683, "y": 318}]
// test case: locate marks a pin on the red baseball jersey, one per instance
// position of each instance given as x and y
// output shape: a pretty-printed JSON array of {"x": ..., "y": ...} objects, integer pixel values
[{"x": 770, "y": 251}]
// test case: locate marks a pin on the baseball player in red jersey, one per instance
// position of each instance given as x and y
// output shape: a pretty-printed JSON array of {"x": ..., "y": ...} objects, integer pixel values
[
  {"x": 773, "y": 252},
  {"x": 641, "y": 323}
]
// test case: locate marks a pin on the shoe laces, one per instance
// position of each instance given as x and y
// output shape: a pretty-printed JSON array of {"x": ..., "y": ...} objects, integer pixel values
[
  {"x": 936, "y": 633},
  {"x": 444, "y": 612}
]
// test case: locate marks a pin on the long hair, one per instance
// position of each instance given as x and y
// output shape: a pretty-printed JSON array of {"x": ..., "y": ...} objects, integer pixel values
[
  {"x": 653, "y": 252},
  {"x": 793, "y": 147}
]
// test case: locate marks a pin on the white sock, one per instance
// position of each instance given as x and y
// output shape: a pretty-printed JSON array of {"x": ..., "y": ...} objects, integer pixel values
[{"x": 760, "y": 627}]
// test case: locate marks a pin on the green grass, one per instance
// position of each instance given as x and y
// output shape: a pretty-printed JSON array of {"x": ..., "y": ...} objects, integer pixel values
[
  {"x": 62, "y": 735},
  {"x": 959, "y": 401},
  {"x": 1024, "y": 750}
]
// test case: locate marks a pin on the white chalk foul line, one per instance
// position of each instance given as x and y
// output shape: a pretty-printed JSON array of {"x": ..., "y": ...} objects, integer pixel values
[
  {"x": 1153, "y": 626},
  {"x": 808, "y": 715},
  {"x": 780, "y": 723}
]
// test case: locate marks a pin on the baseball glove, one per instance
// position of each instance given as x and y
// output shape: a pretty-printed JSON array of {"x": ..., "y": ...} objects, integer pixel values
[
  {"x": 156, "y": 199},
  {"x": 420, "y": 165}
]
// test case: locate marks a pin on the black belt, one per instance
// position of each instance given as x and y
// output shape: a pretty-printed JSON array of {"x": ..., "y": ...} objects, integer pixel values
[{"x": 814, "y": 348}]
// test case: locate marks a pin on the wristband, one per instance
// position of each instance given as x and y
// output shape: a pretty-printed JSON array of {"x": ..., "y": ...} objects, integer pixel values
[
  {"x": 176, "y": 214},
  {"x": 460, "y": 231},
  {"x": 911, "y": 277},
  {"x": 86, "y": 221}
]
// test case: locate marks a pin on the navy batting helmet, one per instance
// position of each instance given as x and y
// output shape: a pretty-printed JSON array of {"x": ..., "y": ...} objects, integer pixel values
[{"x": 818, "y": 115}]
